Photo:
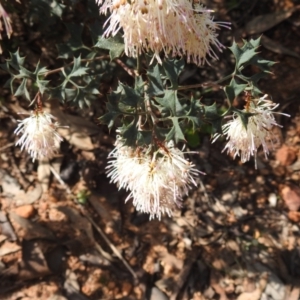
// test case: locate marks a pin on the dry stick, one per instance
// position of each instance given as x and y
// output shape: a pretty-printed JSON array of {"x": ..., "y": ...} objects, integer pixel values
[
  {"x": 113, "y": 248},
  {"x": 131, "y": 72},
  {"x": 182, "y": 276},
  {"x": 56, "y": 175},
  {"x": 7, "y": 146}
]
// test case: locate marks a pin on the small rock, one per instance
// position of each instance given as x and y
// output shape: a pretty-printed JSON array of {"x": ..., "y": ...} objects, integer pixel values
[
  {"x": 291, "y": 196},
  {"x": 25, "y": 211},
  {"x": 286, "y": 155}
]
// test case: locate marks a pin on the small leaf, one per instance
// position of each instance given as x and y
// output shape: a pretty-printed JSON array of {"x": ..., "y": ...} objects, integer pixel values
[
  {"x": 129, "y": 133},
  {"x": 22, "y": 90},
  {"x": 170, "y": 102},
  {"x": 173, "y": 68},
  {"x": 115, "y": 45},
  {"x": 243, "y": 115},
  {"x": 129, "y": 95},
  {"x": 109, "y": 119},
  {"x": 42, "y": 85},
  {"x": 155, "y": 83},
  {"x": 234, "y": 89},
  {"x": 77, "y": 69},
  {"x": 192, "y": 137},
  {"x": 139, "y": 85},
  {"x": 246, "y": 57},
  {"x": 175, "y": 133},
  {"x": 212, "y": 116},
  {"x": 236, "y": 50}
]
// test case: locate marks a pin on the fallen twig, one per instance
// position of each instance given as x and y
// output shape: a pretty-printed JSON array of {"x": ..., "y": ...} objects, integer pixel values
[{"x": 113, "y": 248}]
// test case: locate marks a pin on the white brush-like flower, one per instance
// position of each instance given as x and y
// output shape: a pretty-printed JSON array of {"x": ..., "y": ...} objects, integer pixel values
[
  {"x": 39, "y": 136},
  {"x": 175, "y": 27},
  {"x": 7, "y": 23},
  {"x": 157, "y": 181},
  {"x": 245, "y": 142}
]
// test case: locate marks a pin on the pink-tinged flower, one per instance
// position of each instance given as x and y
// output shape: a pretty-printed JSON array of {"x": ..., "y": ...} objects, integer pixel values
[
  {"x": 157, "y": 181},
  {"x": 7, "y": 23},
  {"x": 174, "y": 27},
  {"x": 245, "y": 142},
  {"x": 38, "y": 135}
]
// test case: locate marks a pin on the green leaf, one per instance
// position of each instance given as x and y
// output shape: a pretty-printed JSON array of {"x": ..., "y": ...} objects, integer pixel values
[
  {"x": 246, "y": 57},
  {"x": 243, "y": 115},
  {"x": 139, "y": 85},
  {"x": 212, "y": 116},
  {"x": 129, "y": 133},
  {"x": 194, "y": 120},
  {"x": 22, "y": 90},
  {"x": 129, "y": 95},
  {"x": 115, "y": 45},
  {"x": 109, "y": 118},
  {"x": 77, "y": 69},
  {"x": 171, "y": 103},
  {"x": 192, "y": 137},
  {"x": 42, "y": 85},
  {"x": 195, "y": 113},
  {"x": 234, "y": 89},
  {"x": 255, "y": 43},
  {"x": 175, "y": 133},
  {"x": 155, "y": 83},
  {"x": 144, "y": 138},
  {"x": 173, "y": 68},
  {"x": 236, "y": 50},
  {"x": 16, "y": 60}
]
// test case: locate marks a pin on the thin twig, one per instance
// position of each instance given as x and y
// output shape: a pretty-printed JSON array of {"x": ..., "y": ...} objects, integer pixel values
[
  {"x": 57, "y": 176},
  {"x": 155, "y": 120},
  {"x": 206, "y": 84},
  {"x": 113, "y": 248},
  {"x": 6, "y": 146},
  {"x": 131, "y": 72},
  {"x": 183, "y": 275}
]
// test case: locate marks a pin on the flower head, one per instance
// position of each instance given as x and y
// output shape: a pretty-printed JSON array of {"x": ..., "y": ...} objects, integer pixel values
[
  {"x": 157, "y": 180},
  {"x": 7, "y": 23},
  {"x": 244, "y": 142},
  {"x": 176, "y": 27},
  {"x": 39, "y": 136}
]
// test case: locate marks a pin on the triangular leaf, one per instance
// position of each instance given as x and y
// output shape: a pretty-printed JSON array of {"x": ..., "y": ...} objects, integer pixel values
[
  {"x": 22, "y": 90},
  {"x": 170, "y": 102},
  {"x": 115, "y": 45},
  {"x": 234, "y": 89},
  {"x": 77, "y": 69},
  {"x": 175, "y": 133},
  {"x": 173, "y": 68},
  {"x": 155, "y": 83}
]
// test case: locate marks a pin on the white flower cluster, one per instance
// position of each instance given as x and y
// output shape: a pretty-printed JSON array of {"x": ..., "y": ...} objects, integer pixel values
[
  {"x": 157, "y": 181},
  {"x": 39, "y": 136},
  {"x": 7, "y": 23},
  {"x": 176, "y": 27},
  {"x": 244, "y": 142}
]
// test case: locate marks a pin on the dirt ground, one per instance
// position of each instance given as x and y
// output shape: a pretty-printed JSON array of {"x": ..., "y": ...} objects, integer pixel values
[{"x": 66, "y": 233}]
